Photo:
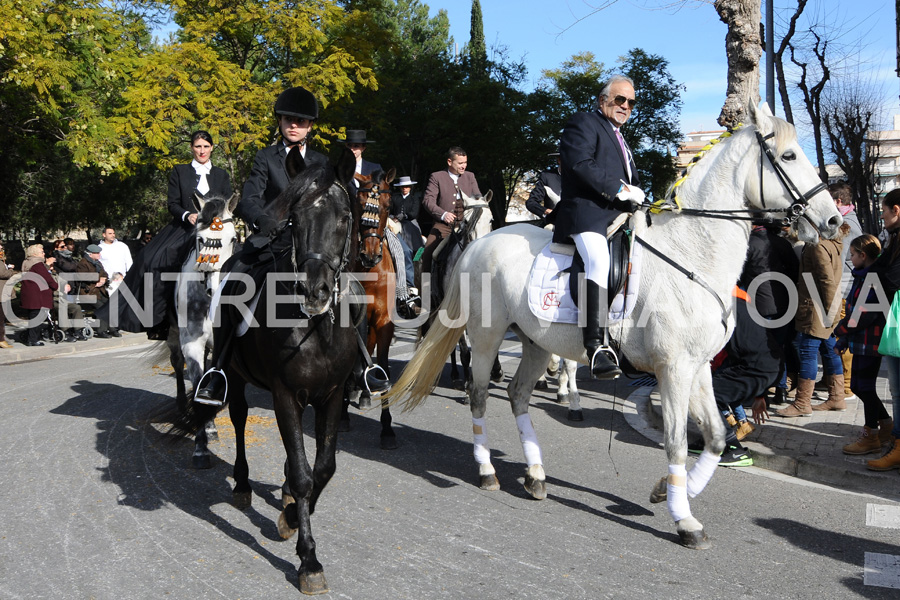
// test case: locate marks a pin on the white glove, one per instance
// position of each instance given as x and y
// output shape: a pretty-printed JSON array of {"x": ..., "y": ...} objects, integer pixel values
[{"x": 632, "y": 194}]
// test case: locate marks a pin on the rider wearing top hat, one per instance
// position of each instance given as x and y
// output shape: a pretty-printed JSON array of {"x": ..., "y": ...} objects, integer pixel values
[
  {"x": 599, "y": 181},
  {"x": 296, "y": 109}
]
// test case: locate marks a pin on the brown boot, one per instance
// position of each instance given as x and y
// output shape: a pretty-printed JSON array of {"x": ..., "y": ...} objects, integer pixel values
[
  {"x": 886, "y": 431},
  {"x": 743, "y": 429},
  {"x": 889, "y": 461},
  {"x": 867, "y": 443},
  {"x": 801, "y": 406},
  {"x": 792, "y": 379},
  {"x": 835, "y": 395}
]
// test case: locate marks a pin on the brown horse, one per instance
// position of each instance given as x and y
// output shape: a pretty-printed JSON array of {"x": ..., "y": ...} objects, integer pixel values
[{"x": 375, "y": 268}]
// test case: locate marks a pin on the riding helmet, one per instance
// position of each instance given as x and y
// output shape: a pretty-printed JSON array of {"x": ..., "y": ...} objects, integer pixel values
[{"x": 297, "y": 102}]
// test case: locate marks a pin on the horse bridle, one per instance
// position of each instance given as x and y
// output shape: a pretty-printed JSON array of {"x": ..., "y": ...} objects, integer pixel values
[
  {"x": 336, "y": 264},
  {"x": 799, "y": 202},
  {"x": 373, "y": 204}
]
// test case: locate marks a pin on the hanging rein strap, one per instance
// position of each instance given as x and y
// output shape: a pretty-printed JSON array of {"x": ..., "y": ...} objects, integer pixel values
[{"x": 690, "y": 275}]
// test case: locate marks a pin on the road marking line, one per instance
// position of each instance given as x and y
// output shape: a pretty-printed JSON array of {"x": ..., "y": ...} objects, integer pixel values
[
  {"x": 883, "y": 515},
  {"x": 882, "y": 570}
]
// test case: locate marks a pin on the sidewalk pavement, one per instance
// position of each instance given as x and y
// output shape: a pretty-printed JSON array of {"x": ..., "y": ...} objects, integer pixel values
[
  {"x": 21, "y": 353},
  {"x": 809, "y": 448}
]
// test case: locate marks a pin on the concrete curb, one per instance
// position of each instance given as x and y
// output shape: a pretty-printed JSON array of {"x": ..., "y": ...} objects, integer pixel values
[
  {"x": 19, "y": 353},
  {"x": 643, "y": 412}
]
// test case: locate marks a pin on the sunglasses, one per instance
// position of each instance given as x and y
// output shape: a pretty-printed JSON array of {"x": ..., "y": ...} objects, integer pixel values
[{"x": 620, "y": 100}]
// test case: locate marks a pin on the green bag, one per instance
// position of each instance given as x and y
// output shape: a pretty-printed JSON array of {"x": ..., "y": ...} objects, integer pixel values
[{"x": 890, "y": 335}]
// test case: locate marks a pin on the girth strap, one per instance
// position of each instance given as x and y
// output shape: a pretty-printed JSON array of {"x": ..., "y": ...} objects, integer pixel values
[{"x": 690, "y": 275}]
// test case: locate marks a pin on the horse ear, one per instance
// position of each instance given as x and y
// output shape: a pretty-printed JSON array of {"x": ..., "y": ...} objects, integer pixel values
[
  {"x": 232, "y": 202},
  {"x": 198, "y": 201},
  {"x": 488, "y": 196},
  {"x": 345, "y": 167},
  {"x": 294, "y": 164},
  {"x": 390, "y": 175}
]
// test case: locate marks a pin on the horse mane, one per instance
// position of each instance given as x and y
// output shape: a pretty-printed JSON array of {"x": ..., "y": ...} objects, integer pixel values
[
  {"x": 214, "y": 207},
  {"x": 322, "y": 177}
]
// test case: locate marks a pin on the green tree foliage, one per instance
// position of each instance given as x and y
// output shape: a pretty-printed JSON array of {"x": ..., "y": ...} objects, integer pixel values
[
  {"x": 476, "y": 48},
  {"x": 87, "y": 97}
]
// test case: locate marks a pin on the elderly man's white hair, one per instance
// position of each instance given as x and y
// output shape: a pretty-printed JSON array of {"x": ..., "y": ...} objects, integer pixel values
[{"x": 604, "y": 91}]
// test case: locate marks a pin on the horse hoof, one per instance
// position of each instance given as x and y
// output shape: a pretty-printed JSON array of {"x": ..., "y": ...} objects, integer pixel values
[
  {"x": 695, "y": 540},
  {"x": 562, "y": 399},
  {"x": 365, "y": 402},
  {"x": 389, "y": 442},
  {"x": 536, "y": 487},
  {"x": 541, "y": 384},
  {"x": 201, "y": 461},
  {"x": 284, "y": 530},
  {"x": 660, "y": 492},
  {"x": 490, "y": 482},
  {"x": 242, "y": 500},
  {"x": 313, "y": 584},
  {"x": 458, "y": 384},
  {"x": 575, "y": 415},
  {"x": 344, "y": 425},
  {"x": 497, "y": 376}
]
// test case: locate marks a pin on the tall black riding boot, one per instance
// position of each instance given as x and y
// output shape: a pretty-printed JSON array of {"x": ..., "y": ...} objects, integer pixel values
[{"x": 601, "y": 366}]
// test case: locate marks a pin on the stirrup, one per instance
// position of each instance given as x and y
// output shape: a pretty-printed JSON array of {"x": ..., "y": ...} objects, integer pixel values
[
  {"x": 211, "y": 401},
  {"x": 609, "y": 354},
  {"x": 380, "y": 382}
]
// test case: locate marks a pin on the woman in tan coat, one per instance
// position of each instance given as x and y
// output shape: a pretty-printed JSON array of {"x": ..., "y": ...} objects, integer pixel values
[{"x": 818, "y": 312}]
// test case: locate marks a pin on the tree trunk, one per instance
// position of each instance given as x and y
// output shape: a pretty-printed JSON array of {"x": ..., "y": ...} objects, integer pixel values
[{"x": 743, "y": 47}]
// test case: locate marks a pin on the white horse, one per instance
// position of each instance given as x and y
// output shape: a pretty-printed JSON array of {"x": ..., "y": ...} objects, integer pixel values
[
  {"x": 678, "y": 323},
  {"x": 190, "y": 329}
]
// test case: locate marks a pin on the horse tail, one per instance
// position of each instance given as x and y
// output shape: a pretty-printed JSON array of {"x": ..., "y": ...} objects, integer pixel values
[{"x": 424, "y": 368}]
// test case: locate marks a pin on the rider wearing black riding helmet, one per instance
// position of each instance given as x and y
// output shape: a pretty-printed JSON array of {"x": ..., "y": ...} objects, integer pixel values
[{"x": 296, "y": 109}]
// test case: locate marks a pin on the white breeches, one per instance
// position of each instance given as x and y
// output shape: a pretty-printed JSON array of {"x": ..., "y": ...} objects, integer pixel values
[{"x": 594, "y": 251}]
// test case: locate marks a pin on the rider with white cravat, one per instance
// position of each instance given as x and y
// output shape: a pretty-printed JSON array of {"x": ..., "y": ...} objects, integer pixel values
[{"x": 599, "y": 181}]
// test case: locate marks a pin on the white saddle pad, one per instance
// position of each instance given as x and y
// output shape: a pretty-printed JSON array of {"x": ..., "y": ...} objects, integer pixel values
[{"x": 549, "y": 296}]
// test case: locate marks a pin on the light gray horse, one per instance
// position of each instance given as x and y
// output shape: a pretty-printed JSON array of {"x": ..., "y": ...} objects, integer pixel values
[
  {"x": 190, "y": 330},
  {"x": 679, "y": 322}
]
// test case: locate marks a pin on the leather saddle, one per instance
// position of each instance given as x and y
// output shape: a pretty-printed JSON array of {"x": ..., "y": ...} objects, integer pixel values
[{"x": 618, "y": 238}]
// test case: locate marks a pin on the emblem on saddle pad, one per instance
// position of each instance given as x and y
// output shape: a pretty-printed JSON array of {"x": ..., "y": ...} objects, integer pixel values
[{"x": 550, "y": 299}]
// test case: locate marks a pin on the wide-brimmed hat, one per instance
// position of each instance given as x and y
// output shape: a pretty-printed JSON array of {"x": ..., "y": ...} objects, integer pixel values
[
  {"x": 92, "y": 248},
  {"x": 405, "y": 181},
  {"x": 357, "y": 136}
]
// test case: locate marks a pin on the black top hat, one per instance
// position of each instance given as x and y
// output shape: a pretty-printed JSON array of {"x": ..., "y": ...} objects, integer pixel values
[{"x": 357, "y": 136}]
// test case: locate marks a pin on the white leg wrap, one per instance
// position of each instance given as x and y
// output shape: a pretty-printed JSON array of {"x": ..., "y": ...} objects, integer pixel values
[
  {"x": 479, "y": 433},
  {"x": 529, "y": 440},
  {"x": 677, "y": 500},
  {"x": 701, "y": 472}
]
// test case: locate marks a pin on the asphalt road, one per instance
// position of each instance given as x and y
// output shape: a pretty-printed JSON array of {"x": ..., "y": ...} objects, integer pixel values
[{"x": 98, "y": 501}]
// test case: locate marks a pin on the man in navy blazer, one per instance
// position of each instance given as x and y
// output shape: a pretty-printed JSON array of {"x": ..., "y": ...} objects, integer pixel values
[{"x": 599, "y": 181}]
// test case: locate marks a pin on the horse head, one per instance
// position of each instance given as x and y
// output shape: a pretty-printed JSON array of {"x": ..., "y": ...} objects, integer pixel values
[
  {"x": 214, "y": 232},
  {"x": 320, "y": 215},
  {"x": 374, "y": 197},
  {"x": 784, "y": 178},
  {"x": 477, "y": 216}
]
